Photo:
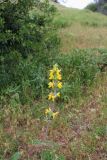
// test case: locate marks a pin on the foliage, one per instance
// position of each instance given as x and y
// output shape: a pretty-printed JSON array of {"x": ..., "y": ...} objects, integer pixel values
[
  {"x": 92, "y": 7},
  {"x": 28, "y": 41},
  {"x": 49, "y": 155},
  {"x": 21, "y": 127},
  {"x": 79, "y": 71},
  {"x": 16, "y": 156},
  {"x": 68, "y": 17}
]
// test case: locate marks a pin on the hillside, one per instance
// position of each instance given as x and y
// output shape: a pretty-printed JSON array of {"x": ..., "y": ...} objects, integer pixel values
[
  {"x": 53, "y": 97},
  {"x": 81, "y": 28}
]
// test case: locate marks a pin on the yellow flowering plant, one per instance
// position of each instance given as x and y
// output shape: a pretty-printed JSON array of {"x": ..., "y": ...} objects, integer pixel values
[
  {"x": 54, "y": 85},
  {"x": 50, "y": 114}
]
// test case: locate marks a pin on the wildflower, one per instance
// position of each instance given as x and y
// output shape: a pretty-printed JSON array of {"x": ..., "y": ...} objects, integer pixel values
[
  {"x": 59, "y": 85},
  {"x": 59, "y": 77},
  {"x": 51, "y": 84},
  {"x": 47, "y": 111},
  {"x": 58, "y": 71},
  {"x": 55, "y": 68},
  {"x": 51, "y": 75},
  {"x": 58, "y": 94},
  {"x": 51, "y": 96},
  {"x": 55, "y": 114},
  {"x": 55, "y": 84}
]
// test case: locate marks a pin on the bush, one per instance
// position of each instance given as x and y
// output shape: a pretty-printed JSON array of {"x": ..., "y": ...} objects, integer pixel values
[
  {"x": 28, "y": 41},
  {"x": 92, "y": 7},
  {"x": 79, "y": 71}
]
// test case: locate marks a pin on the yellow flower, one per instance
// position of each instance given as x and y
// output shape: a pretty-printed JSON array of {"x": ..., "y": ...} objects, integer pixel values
[
  {"x": 51, "y": 84},
  {"x": 55, "y": 114},
  {"x": 58, "y": 71},
  {"x": 51, "y": 71},
  {"x": 55, "y": 73},
  {"x": 59, "y": 77},
  {"x": 51, "y": 75},
  {"x": 55, "y": 67},
  {"x": 51, "y": 96},
  {"x": 59, "y": 85},
  {"x": 47, "y": 111},
  {"x": 58, "y": 74},
  {"x": 58, "y": 94}
]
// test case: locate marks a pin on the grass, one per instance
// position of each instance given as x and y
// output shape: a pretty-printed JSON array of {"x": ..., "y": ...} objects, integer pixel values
[
  {"x": 80, "y": 131},
  {"x": 81, "y": 29},
  {"x": 78, "y": 36}
]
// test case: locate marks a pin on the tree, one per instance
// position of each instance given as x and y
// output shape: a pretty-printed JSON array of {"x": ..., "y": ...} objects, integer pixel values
[{"x": 101, "y": 6}]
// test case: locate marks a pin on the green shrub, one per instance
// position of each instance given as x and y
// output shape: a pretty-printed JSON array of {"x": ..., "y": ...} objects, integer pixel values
[
  {"x": 79, "y": 71},
  {"x": 92, "y": 7},
  {"x": 28, "y": 41}
]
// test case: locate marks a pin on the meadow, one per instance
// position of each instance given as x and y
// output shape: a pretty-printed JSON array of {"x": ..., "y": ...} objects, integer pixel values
[
  {"x": 79, "y": 132},
  {"x": 81, "y": 29}
]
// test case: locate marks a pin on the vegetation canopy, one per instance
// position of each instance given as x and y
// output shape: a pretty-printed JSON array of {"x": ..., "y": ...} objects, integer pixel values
[{"x": 26, "y": 34}]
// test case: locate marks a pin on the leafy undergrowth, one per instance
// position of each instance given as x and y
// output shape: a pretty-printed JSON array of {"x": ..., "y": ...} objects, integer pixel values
[{"x": 80, "y": 131}]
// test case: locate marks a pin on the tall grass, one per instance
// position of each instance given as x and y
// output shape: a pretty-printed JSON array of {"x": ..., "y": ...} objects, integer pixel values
[{"x": 80, "y": 29}]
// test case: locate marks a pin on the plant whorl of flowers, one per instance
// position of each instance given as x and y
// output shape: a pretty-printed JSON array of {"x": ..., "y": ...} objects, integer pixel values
[{"x": 55, "y": 85}]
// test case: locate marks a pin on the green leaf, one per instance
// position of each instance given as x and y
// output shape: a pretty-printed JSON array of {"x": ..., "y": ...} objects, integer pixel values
[
  {"x": 45, "y": 143},
  {"x": 16, "y": 156}
]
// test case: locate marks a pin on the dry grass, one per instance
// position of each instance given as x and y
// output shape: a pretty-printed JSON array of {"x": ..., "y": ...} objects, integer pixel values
[
  {"x": 81, "y": 29},
  {"x": 80, "y": 132},
  {"x": 78, "y": 36}
]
